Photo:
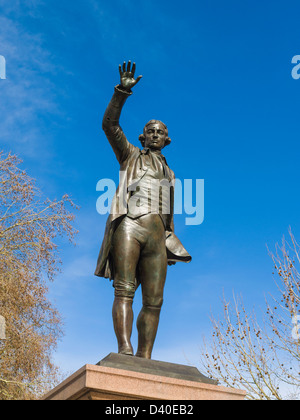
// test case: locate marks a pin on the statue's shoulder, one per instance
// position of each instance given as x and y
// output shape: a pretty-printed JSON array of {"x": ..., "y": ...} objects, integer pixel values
[{"x": 133, "y": 153}]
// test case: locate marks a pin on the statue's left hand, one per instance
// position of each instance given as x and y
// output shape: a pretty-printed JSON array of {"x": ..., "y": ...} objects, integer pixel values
[{"x": 127, "y": 76}]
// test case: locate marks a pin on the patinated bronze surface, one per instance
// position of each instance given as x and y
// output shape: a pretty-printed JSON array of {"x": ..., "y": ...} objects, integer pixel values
[{"x": 139, "y": 240}]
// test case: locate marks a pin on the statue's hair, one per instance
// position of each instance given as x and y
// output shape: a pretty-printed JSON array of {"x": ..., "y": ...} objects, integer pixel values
[{"x": 142, "y": 137}]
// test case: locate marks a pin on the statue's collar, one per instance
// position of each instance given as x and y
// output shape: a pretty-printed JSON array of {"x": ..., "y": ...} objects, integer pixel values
[{"x": 146, "y": 150}]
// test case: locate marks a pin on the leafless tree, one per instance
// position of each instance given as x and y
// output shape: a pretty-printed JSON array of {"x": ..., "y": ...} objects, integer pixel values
[{"x": 260, "y": 352}]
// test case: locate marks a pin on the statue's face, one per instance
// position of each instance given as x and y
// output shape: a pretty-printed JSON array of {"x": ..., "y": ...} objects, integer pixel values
[{"x": 155, "y": 136}]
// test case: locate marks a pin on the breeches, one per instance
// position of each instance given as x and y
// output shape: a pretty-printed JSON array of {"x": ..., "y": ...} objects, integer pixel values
[{"x": 139, "y": 256}]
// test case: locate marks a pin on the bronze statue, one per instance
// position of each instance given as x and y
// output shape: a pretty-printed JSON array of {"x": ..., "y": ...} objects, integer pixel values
[{"x": 139, "y": 240}]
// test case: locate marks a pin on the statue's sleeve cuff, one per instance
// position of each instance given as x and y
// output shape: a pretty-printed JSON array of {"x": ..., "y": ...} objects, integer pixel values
[{"x": 120, "y": 90}]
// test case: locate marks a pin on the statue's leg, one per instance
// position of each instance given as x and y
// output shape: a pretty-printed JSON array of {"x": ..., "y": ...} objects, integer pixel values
[
  {"x": 125, "y": 253},
  {"x": 147, "y": 324},
  {"x": 123, "y": 318},
  {"x": 152, "y": 274}
]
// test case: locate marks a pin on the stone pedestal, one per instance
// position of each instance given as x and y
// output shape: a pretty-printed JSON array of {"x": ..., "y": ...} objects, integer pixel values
[{"x": 119, "y": 377}]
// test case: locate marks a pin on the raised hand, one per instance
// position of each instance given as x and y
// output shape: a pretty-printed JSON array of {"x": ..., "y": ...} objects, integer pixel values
[{"x": 127, "y": 75}]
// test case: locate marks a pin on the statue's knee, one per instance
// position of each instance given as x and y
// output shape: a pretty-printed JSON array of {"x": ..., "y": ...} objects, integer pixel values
[
  {"x": 124, "y": 289},
  {"x": 153, "y": 302}
]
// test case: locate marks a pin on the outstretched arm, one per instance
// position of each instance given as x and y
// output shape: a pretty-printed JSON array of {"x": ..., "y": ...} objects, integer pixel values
[{"x": 110, "y": 124}]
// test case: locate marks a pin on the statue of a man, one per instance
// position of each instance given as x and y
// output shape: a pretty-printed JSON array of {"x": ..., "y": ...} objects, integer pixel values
[{"x": 139, "y": 239}]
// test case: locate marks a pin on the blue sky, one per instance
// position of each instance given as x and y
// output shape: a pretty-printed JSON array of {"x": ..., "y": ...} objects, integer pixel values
[{"x": 218, "y": 73}]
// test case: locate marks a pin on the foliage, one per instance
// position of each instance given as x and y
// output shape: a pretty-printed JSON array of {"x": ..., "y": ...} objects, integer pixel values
[{"x": 29, "y": 258}]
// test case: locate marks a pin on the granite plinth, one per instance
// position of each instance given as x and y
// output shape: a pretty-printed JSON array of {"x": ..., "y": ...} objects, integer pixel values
[
  {"x": 155, "y": 367},
  {"x": 100, "y": 382}
]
